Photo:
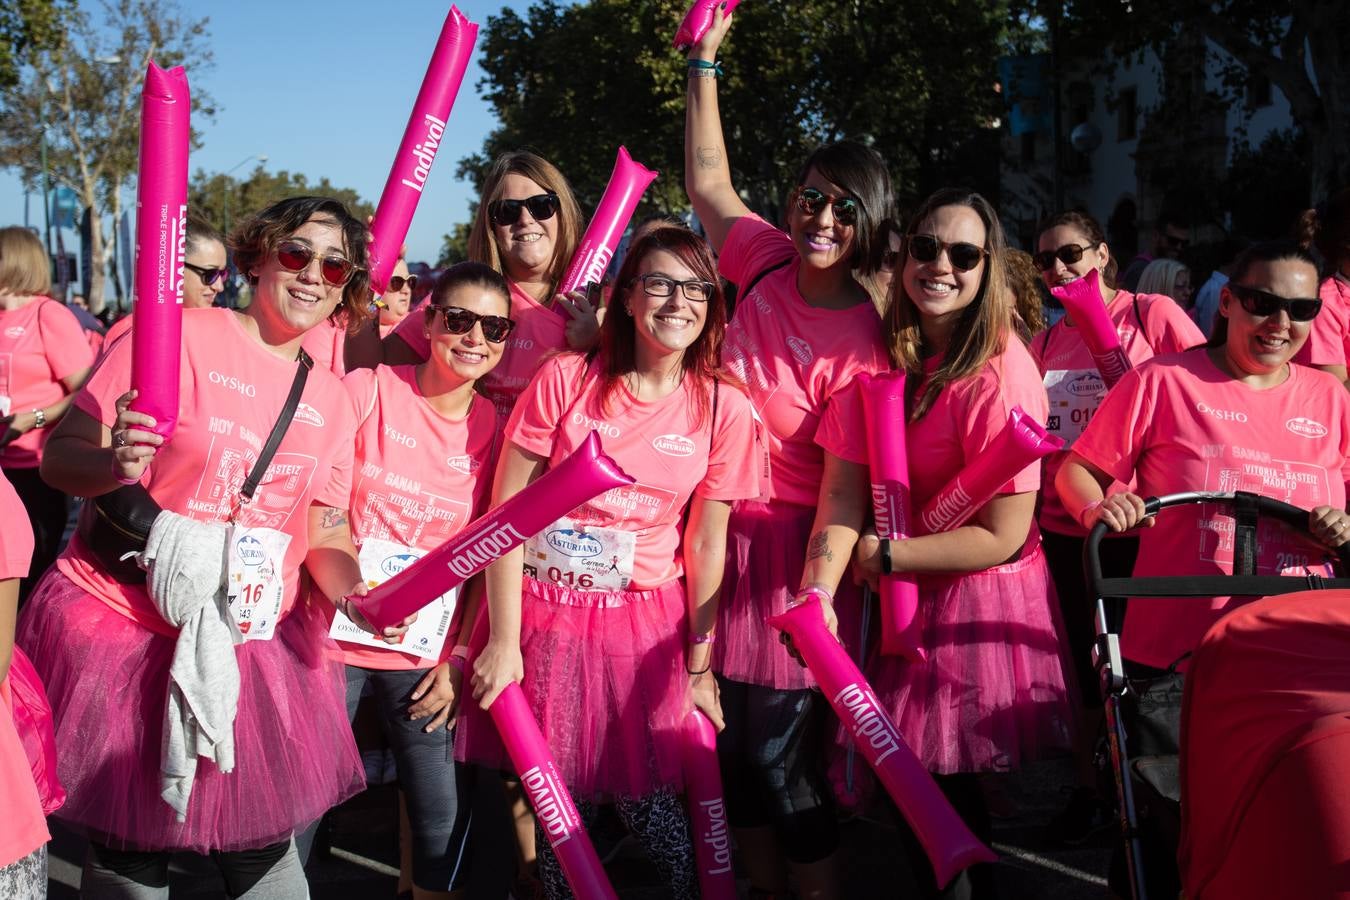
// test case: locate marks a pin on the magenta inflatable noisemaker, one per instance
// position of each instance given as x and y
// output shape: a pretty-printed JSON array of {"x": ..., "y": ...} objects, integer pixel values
[
  {"x": 697, "y": 21},
  {"x": 626, "y": 184},
  {"x": 950, "y": 845},
  {"x": 583, "y": 475},
  {"x": 884, "y": 408},
  {"x": 707, "y": 808},
  {"x": 553, "y": 807},
  {"x": 421, "y": 139},
  {"x": 1021, "y": 442},
  {"x": 161, "y": 243},
  {"x": 1082, "y": 298}
]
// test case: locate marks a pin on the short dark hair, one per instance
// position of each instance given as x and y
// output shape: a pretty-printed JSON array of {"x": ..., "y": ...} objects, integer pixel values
[
  {"x": 862, "y": 172},
  {"x": 468, "y": 273},
  {"x": 1262, "y": 252},
  {"x": 200, "y": 231}
]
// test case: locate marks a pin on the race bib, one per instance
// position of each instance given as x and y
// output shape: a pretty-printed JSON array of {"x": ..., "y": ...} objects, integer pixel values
[
  {"x": 1074, "y": 396},
  {"x": 581, "y": 558},
  {"x": 254, "y": 579},
  {"x": 381, "y": 560}
]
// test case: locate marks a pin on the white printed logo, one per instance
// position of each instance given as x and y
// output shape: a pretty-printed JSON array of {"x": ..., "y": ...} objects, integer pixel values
[
  {"x": 309, "y": 415},
  {"x": 673, "y": 445},
  {"x": 465, "y": 465},
  {"x": 392, "y": 565},
  {"x": 1304, "y": 427},
  {"x": 251, "y": 550},
  {"x": 232, "y": 383},
  {"x": 1223, "y": 415},
  {"x": 604, "y": 428},
  {"x": 399, "y": 437},
  {"x": 424, "y": 153},
  {"x": 801, "y": 350},
  {"x": 576, "y": 544},
  {"x": 1088, "y": 385},
  {"x": 14, "y": 331}
]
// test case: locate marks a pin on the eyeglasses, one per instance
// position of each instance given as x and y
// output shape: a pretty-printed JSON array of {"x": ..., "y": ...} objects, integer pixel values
[
  {"x": 507, "y": 212},
  {"x": 396, "y": 283},
  {"x": 925, "y": 248},
  {"x": 208, "y": 274},
  {"x": 657, "y": 285},
  {"x": 1263, "y": 303},
  {"x": 461, "y": 321},
  {"x": 336, "y": 270},
  {"x": 1068, "y": 254},
  {"x": 811, "y": 201}
]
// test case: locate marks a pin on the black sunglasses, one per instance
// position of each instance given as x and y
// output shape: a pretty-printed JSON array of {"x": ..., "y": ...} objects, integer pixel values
[
  {"x": 811, "y": 201},
  {"x": 208, "y": 274},
  {"x": 1068, "y": 254},
  {"x": 1263, "y": 303},
  {"x": 925, "y": 248},
  {"x": 336, "y": 270},
  {"x": 507, "y": 212},
  {"x": 396, "y": 283},
  {"x": 461, "y": 321}
]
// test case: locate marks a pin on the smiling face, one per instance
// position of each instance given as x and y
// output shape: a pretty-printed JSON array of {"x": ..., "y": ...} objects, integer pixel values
[
  {"x": 664, "y": 325},
  {"x": 207, "y": 255},
  {"x": 526, "y": 246},
  {"x": 396, "y": 302},
  {"x": 1095, "y": 257},
  {"x": 290, "y": 303},
  {"x": 822, "y": 242},
  {"x": 938, "y": 289},
  {"x": 1261, "y": 345},
  {"x": 468, "y": 356}
]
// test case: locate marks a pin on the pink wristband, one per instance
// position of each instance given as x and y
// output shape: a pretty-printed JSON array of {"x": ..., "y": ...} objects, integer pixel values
[
  {"x": 709, "y": 638},
  {"x": 117, "y": 475},
  {"x": 1082, "y": 513}
]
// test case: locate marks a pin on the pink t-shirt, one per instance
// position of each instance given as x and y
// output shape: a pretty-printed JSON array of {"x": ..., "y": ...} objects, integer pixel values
[
  {"x": 1178, "y": 423},
  {"x": 116, "y": 330},
  {"x": 963, "y": 421},
  {"x": 23, "y": 828},
  {"x": 793, "y": 357},
  {"x": 656, "y": 442},
  {"x": 420, "y": 477},
  {"x": 1075, "y": 389},
  {"x": 327, "y": 343},
  {"x": 1328, "y": 342},
  {"x": 231, "y": 391},
  {"x": 539, "y": 330},
  {"x": 40, "y": 344}
]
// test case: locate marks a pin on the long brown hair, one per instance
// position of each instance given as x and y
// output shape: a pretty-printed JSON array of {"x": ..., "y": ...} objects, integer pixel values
[
  {"x": 982, "y": 326},
  {"x": 482, "y": 245},
  {"x": 702, "y": 360}
]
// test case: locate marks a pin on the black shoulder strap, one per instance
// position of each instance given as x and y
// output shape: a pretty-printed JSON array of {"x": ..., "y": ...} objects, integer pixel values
[
  {"x": 745, "y": 291},
  {"x": 278, "y": 430}
]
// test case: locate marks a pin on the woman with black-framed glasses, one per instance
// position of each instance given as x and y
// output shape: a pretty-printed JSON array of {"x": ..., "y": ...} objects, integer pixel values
[{"x": 806, "y": 323}]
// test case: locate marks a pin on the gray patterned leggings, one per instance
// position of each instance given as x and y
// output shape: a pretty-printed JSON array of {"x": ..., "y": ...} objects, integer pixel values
[
  {"x": 25, "y": 879},
  {"x": 660, "y": 824}
]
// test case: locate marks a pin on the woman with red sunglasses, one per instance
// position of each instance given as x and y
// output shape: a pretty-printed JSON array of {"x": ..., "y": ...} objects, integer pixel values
[
  {"x": 118, "y": 649},
  {"x": 806, "y": 324},
  {"x": 1071, "y": 244}
]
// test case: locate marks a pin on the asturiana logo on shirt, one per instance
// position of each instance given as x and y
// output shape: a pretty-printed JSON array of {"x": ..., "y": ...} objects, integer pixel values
[
  {"x": 465, "y": 465},
  {"x": 309, "y": 415},
  {"x": 673, "y": 445},
  {"x": 1304, "y": 427},
  {"x": 1223, "y": 415},
  {"x": 801, "y": 350},
  {"x": 392, "y": 565},
  {"x": 1086, "y": 385},
  {"x": 14, "y": 331},
  {"x": 251, "y": 550},
  {"x": 576, "y": 544}
]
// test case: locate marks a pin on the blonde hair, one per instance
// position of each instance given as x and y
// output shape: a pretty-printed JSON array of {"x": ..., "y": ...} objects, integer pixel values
[
  {"x": 482, "y": 245},
  {"x": 1160, "y": 277},
  {"x": 24, "y": 268}
]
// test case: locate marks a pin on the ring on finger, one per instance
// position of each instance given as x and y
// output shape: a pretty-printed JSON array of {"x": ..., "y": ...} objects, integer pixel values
[{"x": 119, "y": 438}]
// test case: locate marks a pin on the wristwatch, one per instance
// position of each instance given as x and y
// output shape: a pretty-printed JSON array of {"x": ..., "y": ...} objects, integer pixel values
[{"x": 39, "y": 418}]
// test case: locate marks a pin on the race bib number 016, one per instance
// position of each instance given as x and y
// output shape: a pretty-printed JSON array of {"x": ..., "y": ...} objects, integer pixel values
[
  {"x": 381, "y": 560},
  {"x": 581, "y": 559},
  {"x": 254, "y": 580}
]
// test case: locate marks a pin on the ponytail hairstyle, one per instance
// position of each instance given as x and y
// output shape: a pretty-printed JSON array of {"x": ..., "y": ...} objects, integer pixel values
[{"x": 1328, "y": 229}]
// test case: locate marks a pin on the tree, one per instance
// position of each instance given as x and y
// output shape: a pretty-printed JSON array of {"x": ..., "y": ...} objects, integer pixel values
[
  {"x": 24, "y": 26},
  {"x": 85, "y": 99},
  {"x": 455, "y": 246},
  {"x": 224, "y": 201}
]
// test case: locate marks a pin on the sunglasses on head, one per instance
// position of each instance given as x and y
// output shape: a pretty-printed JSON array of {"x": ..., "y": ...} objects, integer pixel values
[
  {"x": 507, "y": 212},
  {"x": 461, "y": 321},
  {"x": 208, "y": 274},
  {"x": 336, "y": 270},
  {"x": 811, "y": 201},
  {"x": 396, "y": 283},
  {"x": 925, "y": 248},
  {"x": 1068, "y": 254},
  {"x": 1263, "y": 303}
]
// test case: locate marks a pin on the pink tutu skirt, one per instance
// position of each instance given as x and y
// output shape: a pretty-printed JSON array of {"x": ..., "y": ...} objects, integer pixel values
[
  {"x": 992, "y": 694},
  {"x": 766, "y": 550},
  {"x": 107, "y": 678},
  {"x": 605, "y": 678}
]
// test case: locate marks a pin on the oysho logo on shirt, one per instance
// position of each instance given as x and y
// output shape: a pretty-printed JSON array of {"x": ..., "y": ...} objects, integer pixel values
[
  {"x": 465, "y": 465},
  {"x": 673, "y": 445},
  {"x": 801, "y": 350},
  {"x": 232, "y": 383},
  {"x": 309, "y": 415},
  {"x": 604, "y": 428},
  {"x": 1305, "y": 427},
  {"x": 399, "y": 437},
  {"x": 1223, "y": 415}
]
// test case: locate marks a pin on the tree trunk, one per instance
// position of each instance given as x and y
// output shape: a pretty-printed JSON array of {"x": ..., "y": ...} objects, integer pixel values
[
  {"x": 1330, "y": 136},
  {"x": 95, "y": 298}
]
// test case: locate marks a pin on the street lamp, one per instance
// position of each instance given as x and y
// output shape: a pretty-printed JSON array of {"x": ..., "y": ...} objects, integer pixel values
[{"x": 224, "y": 195}]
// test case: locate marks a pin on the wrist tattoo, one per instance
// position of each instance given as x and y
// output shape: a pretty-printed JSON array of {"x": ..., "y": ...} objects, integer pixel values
[
  {"x": 708, "y": 157},
  {"x": 332, "y": 518},
  {"x": 819, "y": 547}
]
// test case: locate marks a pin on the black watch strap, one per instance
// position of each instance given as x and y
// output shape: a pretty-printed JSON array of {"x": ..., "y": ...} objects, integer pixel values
[{"x": 885, "y": 552}]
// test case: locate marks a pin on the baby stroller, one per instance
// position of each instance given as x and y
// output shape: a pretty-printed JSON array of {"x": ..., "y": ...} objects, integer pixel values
[{"x": 1145, "y": 756}]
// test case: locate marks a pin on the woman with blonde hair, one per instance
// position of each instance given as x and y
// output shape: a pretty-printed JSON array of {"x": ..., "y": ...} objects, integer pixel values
[{"x": 1169, "y": 278}]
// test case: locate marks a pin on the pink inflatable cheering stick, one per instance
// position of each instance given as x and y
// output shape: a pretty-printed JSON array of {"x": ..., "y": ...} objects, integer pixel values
[
  {"x": 884, "y": 407},
  {"x": 1021, "y": 442},
  {"x": 697, "y": 21},
  {"x": 1083, "y": 300},
  {"x": 707, "y": 808},
  {"x": 421, "y": 140},
  {"x": 626, "y": 184},
  {"x": 950, "y": 845},
  {"x": 553, "y": 806},
  {"x": 161, "y": 242},
  {"x": 587, "y": 472}
]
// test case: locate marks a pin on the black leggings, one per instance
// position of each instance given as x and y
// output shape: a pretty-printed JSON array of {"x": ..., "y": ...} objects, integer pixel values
[
  {"x": 241, "y": 869},
  {"x": 48, "y": 510}
]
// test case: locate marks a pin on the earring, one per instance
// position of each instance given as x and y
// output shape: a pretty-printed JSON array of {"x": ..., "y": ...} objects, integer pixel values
[{"x": 628, "y": 309}]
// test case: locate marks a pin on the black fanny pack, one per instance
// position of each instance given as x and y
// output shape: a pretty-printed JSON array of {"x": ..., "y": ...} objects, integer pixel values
[{"x": 116, "y": 525}]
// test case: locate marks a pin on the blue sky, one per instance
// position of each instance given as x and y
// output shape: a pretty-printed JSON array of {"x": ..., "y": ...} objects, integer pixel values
[{"x": 325, "y": 88}]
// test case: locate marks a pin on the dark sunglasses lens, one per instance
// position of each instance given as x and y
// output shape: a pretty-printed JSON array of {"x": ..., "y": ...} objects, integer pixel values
[
  {"x": 294, "y": 256},
  {"x": 1069, "y": 254},
  {"x": 965, "y": 256},
  {"x": 397, "y": 282},
  {"x": 495, "y": 328},
  {"x": 457, "y": 321},
  {"x": 846, "y": 211},
  {"x": 542, "y": 207},
  {"x": 810, "y": 200},
  {"x": 1304, "y": 310},
  {"x": 1045, "y": 260},
  {"x": 505, "y": 212},
  {"x": 209, "y": 276},
  {"x": 923, "y": 248}
]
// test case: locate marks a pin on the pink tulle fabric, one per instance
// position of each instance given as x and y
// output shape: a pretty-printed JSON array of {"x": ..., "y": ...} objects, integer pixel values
[
  {"x": 107, "y": 678},
  {"x": 992, "y": 694},
  {"x": 605, "y": 677},
  {"x": 766, "y": 549}
]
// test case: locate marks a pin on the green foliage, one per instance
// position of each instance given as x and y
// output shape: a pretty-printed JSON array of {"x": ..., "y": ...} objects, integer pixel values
[
  {"x": 225, "y": 201},
  {"x": 454, "y": 246},
  {"x": 27, "y": 26}
]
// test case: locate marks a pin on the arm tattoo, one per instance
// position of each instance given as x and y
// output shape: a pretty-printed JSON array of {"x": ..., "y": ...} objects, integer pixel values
[
  {"x": 819, "y": 547},
  {"x": 708, "y": 157},
  {"x": 333, "y": 518}
]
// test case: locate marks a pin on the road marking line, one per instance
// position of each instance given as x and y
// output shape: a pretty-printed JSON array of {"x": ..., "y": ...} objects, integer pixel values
[
  {"x": 373, "y": 865},
  {"x": 1047, "y": 863}
]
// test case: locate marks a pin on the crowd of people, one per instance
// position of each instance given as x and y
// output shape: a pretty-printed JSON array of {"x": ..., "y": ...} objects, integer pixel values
[{"x": 203, "y": 676}]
